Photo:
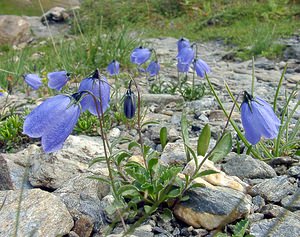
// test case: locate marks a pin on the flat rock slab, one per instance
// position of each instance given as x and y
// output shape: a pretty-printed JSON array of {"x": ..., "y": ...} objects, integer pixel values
[
  {"x": 213, "y": 208},
  {"x": 244, "y": 166},
  {"x": 82, "y": 196},
  {"x": 287, "y": 225},
  {"x": 275, "y": 189},
  {"x": 53, "y": 170},
  {"x": 41, "y": 214},
  {"x": 5, "y": 179}
]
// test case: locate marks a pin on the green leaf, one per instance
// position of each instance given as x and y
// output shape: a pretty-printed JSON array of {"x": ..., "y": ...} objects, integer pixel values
[
  {"x": 97, "y": 160},
  {"x": 184, "y": 129},
  {"x": 163, "y": 137},
  {"x": 174, "y": 193},
  {"x": 102, "y": 179},
  {"x": 167, "y": 215},
  {"x": 185, "y": 198},
  {"x": 128, "y": 190},
  {"x": 203, "y": 141},
  {"x": 151, "y": 163},
  {"x": 121, "y": 156},
  {"x": 147, "y": 209},
  {"x": 240, "y": 228},
  {"x": 206, "y": 172},
  {"x": 149, "y": 122},
  {"x": 133, "y": 144},
  {"x": 197, "y": 185},
  {"x": 222, "y": 148}
]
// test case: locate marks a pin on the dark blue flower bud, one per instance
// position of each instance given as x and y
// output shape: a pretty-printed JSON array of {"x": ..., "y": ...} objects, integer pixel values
[{"x": 129, "y": 104}]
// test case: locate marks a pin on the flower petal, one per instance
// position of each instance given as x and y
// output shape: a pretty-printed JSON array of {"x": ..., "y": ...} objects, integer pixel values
[
  {"x": 54, "y": 137},
  {"x": 44, "y": 115},
  {"x": 57, "y": 80},
  {"x": 33, "y": 80},
  {"x": 249, "y": 122}
]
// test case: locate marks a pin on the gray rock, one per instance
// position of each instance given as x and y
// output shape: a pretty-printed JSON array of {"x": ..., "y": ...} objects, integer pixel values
[
  {"x": 5, "y": 179},
  {"x": 255, "y": 217},
  {"x": 161, "y": 99},
  {"x": 39, "y": 30},
  {"x": 294, "y": 171},
  {"x": 274, "y": 189},
  {"x": 292, "y": 202},
  {"x": 292, "y": 52},
  {"x": 41, "y": 214},
  {"x": 84, "y": 226},
  {"x": 55, "y": 15},
  {"x": 244, "y": 166},
  {"x": 18, "y": 169},
  {"x": 14, "y": 30},
  {"x": 82, "y": 196},
  {"x": 271, "y": 211},
  {"x": 173, "y": 154},
  {"x": 53, "y": 170},
  {"x": 212, "y": 208},
  {"x": 258, "y": 203},
  {"x": 284, "y": 226}
]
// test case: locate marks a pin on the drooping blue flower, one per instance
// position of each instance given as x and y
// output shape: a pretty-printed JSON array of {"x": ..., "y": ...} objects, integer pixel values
[
  {"x": 53, "y": 121},
  {"x": 258, "y": 119},
  {"x": 186, "y": 55},
  {"x": 182, "y": 42},
  {"x": 182, "y": 67},
  {"x": 33, "y": 80},
  {"x": 184, "y": 59},
  {"x": 113, "y": 68},
  {"x": 140, "y": 55},
  {"x": 129, "y": 104},
  {"x": 57, "y": 80},
  {"x": 99, "y": 87},
  {"x": 153, "y": 68},
  {"x": 201, "y": 67}
]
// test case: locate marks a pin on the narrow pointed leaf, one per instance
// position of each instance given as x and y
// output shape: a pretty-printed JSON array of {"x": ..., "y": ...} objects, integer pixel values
[
  {"x": 163, "y": 137},
  {"x": 222, "y": 148},
  {"x": 203, "y": 141}
]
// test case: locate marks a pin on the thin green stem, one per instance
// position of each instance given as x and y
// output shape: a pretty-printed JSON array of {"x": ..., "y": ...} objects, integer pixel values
[
  {"x": 253, "y": 78},
  {"x": 278, "y": 88}
]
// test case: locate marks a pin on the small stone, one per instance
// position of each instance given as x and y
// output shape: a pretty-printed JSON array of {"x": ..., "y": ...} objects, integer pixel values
[
  {"x": 200, "y": 232},
  {"x": 274, "y": 189},
  {"x": 271, "y": 211},
  {"x": 258, "y": 203},
  {"x": 114, "y": 133},
  {"x": 210, "y": 208},
  {"x": 284, "y": 226},
  {"x": 84, "y": 226},
  {"x": 5, "y": 180},
  {"x": 244, "y": 166},
  {"x": 294, "y": 171},
  {"x": 292, "y": 202},
  {"x": 255, "y": 217}
]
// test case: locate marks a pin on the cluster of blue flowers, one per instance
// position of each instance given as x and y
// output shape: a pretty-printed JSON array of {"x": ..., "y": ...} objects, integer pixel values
[
  {"x": 140, "y": 56},
  {"x": 186, "y": 58},
  {"x": 56, "y": 80},
  {"x": 56, "y": 117}
]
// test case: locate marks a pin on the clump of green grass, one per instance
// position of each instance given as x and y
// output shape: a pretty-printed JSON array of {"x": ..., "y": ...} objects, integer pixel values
[
  {"x": 251, "y": 26},
  {"x": 11, "y": 132}
]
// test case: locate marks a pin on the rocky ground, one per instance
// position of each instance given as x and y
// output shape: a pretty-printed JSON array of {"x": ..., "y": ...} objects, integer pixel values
[{"x": 58, "y": 199}]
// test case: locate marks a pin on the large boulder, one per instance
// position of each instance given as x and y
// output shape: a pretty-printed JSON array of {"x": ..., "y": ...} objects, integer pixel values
[
  {"x": 14, "y": 30},
  {"x": 40, "y": 214}
]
